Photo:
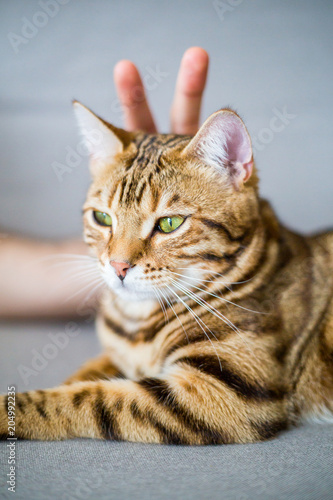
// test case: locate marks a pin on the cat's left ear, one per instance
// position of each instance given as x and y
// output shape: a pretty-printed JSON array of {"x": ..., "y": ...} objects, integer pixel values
[
  {"x": 103, "y": 140},
  {"x": 223, "y": 142}
]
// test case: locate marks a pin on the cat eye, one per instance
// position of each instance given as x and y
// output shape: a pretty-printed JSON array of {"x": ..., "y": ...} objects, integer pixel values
[
  {"x": 102, "y": 218},
  {"x": 169, "y": 224}
]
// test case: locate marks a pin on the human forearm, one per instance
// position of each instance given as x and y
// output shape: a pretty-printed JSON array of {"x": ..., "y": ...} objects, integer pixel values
[{"x": 33, "y": 284}]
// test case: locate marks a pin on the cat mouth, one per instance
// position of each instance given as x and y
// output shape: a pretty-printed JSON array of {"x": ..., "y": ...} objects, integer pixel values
[
  {"x": 134, "y": 295},
  {"x": 130, "y": 291}
]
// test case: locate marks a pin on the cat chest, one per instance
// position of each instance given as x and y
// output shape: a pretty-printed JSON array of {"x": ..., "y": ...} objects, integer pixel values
[{"x": 134, "y": 359}]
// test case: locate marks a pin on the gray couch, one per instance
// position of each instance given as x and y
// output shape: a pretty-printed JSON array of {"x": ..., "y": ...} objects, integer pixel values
[{"x": 266, "y": 57}]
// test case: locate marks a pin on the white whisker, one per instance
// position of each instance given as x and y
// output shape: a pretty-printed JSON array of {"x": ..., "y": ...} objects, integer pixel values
[
  {"x": 73, "y": 263},
  {"x": 199, "y": 321},
  {"x": 63, "y": 257},
  {"x": 74, "y": 273},
  {"x": 91, "y": 292},
  {"x": 225, "y": 283},
  {"x": 221, "y": 298},
  {"x": 204, "y": 304},
  {"x": 214, "y": 311},
  {"x": 71, "y": 256},
  {"x": 74, "y": 279},
  {"x": 93, "y": 282},
  {"x": 160, "y": 301},
  {"x": 176, "y": 315}
]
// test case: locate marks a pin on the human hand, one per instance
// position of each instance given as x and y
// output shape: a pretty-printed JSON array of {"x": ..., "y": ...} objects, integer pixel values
[{"x": 185, "y": 109}]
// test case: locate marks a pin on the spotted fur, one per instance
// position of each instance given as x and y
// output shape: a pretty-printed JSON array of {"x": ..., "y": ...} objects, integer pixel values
[{"x": 242, "y": 347}]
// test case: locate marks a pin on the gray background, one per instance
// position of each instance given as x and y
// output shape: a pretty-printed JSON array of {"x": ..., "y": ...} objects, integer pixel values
[{"x": 264, "y": 55}]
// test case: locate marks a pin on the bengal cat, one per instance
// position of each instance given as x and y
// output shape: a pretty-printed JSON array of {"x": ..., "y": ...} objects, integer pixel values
[{"x": 216, "y": 322}]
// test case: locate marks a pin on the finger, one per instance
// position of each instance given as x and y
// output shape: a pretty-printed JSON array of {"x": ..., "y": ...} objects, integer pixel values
[
  {"x": 191, "y": 81},
  {"x": 131, "y": 93}
]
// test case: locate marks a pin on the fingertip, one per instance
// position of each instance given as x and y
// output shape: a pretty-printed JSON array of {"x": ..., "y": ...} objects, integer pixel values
[
  {"x": 125, "y": 70},
  {"x": 193, "y": 72},
  {"x": 197, "y": 57},
  {"x": 131, "y": 94}
]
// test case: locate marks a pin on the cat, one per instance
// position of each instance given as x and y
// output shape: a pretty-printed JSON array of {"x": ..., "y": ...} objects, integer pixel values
[{"x": 216, "y": 322}]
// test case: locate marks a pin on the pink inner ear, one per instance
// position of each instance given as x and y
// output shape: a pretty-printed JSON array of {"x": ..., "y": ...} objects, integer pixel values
[
  {"x": 236, "y": 140},
  {"x": 237, "y": 144},
  {"x": 224, "y": 143},
  {"x": 228, "y": 131}
]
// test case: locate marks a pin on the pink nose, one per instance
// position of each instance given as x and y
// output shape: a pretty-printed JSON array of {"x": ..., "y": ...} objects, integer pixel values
[{"x": 121, "y": 268}]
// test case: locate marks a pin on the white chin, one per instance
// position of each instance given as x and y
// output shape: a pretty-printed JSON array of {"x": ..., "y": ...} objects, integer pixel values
[{"x": 133, "y": 295}]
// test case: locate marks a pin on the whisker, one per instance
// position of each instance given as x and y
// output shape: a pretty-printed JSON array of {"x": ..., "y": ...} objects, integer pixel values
[
  {"x": 74, "y": 277},
  {"x": 73, "y": 263},
  {"x": 81, "y": 270},
  {"x": 100, "y": 279},
  {"x": 222, "y": 298},
  {"x": 160, "y": 303},
  {"x": 163, "y": 304},
  {"x": 176, "y": 315},
  {"x": 216, "y": 313},
  {"x": 63, "y": 256},
  {"x": 162, "y": 297},
  {"x": 199, "y": 279},
  {"x": 204, "y": 304},
  {"x": 199, "y": 321},
  {"x": 202, "y": 270},
  {"x": 99, "y": 285},
  {"x": 71, "y": 256},
  {"x": 79, "y": 276},
  {"x": 210, "y": 281}
]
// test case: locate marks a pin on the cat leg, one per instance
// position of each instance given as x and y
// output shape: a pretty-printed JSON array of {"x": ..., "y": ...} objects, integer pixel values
[
  {"x": 184, "y": 406},
  {"x": 95, "y": 369}
]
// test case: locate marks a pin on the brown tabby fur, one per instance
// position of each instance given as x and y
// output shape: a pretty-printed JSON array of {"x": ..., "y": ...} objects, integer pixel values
[{"x": 262, "y": 362}]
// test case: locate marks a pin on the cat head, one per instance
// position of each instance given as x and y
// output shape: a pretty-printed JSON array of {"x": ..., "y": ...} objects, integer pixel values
[{"x": 165, "y": 209}]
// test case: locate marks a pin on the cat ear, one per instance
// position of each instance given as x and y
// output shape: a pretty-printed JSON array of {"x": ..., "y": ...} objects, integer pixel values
[
  {"x": 224, "y": 143},
  {"x": 102, "y": 140}
]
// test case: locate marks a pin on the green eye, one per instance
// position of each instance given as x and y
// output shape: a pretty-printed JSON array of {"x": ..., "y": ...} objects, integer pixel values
[
  {"x": 102, "y": 218},
  {"x": 169, "y": 224}
]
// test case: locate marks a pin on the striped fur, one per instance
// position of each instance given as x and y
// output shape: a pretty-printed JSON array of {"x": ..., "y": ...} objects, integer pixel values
[{"x": 243, "y": 345}]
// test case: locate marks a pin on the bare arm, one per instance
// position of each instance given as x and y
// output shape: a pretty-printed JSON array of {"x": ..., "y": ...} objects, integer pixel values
[{"x": 32, "y": 284}]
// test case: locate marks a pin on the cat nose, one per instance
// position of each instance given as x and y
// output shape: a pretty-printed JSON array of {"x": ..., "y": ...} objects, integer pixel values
[{"x": 121, "y": 268}]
